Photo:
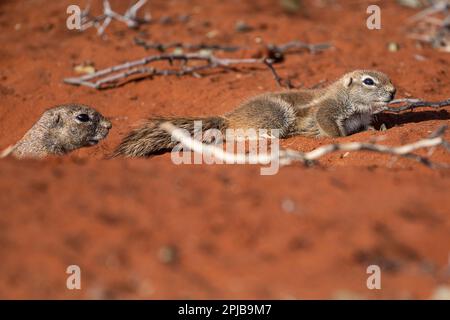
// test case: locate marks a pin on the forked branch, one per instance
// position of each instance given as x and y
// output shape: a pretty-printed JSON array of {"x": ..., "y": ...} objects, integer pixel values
[
  {"x": 137, "y": 69},
  {"x": 111, "y": 77},
  {"x": 101, "y": 22},
  {"x": 288, "y": 156}
]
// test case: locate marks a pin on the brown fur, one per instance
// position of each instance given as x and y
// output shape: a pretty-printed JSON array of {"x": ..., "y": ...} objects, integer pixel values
[
  {"x": 150, "y": 139},
  {"x": 344, "y": 107},
  {"x": 59, "y": 131}
]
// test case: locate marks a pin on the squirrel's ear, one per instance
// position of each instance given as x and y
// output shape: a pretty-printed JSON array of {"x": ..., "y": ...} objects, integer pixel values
[{"x": 348, "y": 81}]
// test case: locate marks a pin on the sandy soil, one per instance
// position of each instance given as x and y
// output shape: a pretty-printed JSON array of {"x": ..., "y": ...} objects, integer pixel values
[{"x": 146, "y": 228}]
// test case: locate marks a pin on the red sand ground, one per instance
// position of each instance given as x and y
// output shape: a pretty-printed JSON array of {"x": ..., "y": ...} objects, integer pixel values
[{"x": 146, "y": 228}]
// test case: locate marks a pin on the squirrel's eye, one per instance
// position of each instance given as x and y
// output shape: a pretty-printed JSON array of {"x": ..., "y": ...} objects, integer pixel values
[
  {"x": 83, "y": 117},
  {"x": 368, "y": 81}
]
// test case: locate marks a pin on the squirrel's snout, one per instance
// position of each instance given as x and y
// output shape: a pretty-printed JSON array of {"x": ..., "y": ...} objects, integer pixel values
[
  {"x": 106, "y": 124},
  {"x": 392, "y": 92}
]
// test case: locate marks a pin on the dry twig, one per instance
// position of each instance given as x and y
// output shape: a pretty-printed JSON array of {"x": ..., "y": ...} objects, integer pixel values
[
  {"x": 288, "y": 156},
  {"x": 433, "y": 30},
  {"x": 195, "y": 47},
  {"x": 111, "y": 77},
  {"x": 410, "y": 104},
  {"x": 101, "y": 22},
  {"x": 114, "y": 76},
  {"x": 277, "y": 52}
]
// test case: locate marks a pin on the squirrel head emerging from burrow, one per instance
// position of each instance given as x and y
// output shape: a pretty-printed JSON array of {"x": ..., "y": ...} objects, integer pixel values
[
  {"x": 63, "y": 129},
  {"x": 367, "y": 89},
  {"x": 75, "y": 126}
]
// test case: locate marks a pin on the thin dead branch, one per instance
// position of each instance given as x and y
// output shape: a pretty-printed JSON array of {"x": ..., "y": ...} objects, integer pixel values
[
  {"x": 289, "y": 156},
  {"x": 111, "y": 77},
  {"x": 130, "y": 17},
  {"x": 410, "y": 104},
  {"x": 431, "y": 29},
  {"x": 277, "y": 52},
  {"x": 116, "y": 75},
  {"x": 274, "y": 52},
  {"x": 281, "y": 83},
  {"x": 193, "y": 47}
]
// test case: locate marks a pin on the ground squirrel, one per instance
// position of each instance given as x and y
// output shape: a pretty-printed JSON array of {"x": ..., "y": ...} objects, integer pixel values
[
  {"x": 60, "y": 130},
  {"x": 344, "y": 107}
]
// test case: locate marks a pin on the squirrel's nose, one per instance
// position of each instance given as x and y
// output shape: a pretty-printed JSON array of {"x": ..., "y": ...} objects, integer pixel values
[
  {"x": 392, "y": 92},
  {"x": 107, "y": 124}
]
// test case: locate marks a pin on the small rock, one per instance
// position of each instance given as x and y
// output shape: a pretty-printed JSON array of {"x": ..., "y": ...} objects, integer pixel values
[
  {"x": 184, "y": 18},
  {"x": 85, "y": 68},
  {"x": 242, "y": 26},
  {"x": 168, "y": 254},
  {"x": 393, "y": 46},
  {"x": 383, "y": 127},
  {"x": 165, "y": 20},
  {"x": 418, "y": 57},
  {"x": 345, "y": 155},
  {"x": 212, "y": 34},
  {"x": 47, "y": 27},
  {"x": 290, "y": 6}
]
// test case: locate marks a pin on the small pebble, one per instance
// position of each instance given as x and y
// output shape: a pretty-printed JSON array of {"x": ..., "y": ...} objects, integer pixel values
[
  {"x": 84, "y": 69},
  {"x": 418, "y": 57},
  {"x": 212, "y": 34},
  {"x": 242, "y": 26},
  {"x": 184, "y": 18},
  {"x": 165, "y": 20},
  {"x": 168, "y": 254},
  {"x": 393, "y": 46},
  {"x": 290, "y": 6},
  {"x": 345, "y": 155}
]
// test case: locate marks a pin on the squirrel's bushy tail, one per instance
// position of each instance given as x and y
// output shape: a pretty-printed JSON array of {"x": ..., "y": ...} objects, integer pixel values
[{"x": 150, "y": 139}]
